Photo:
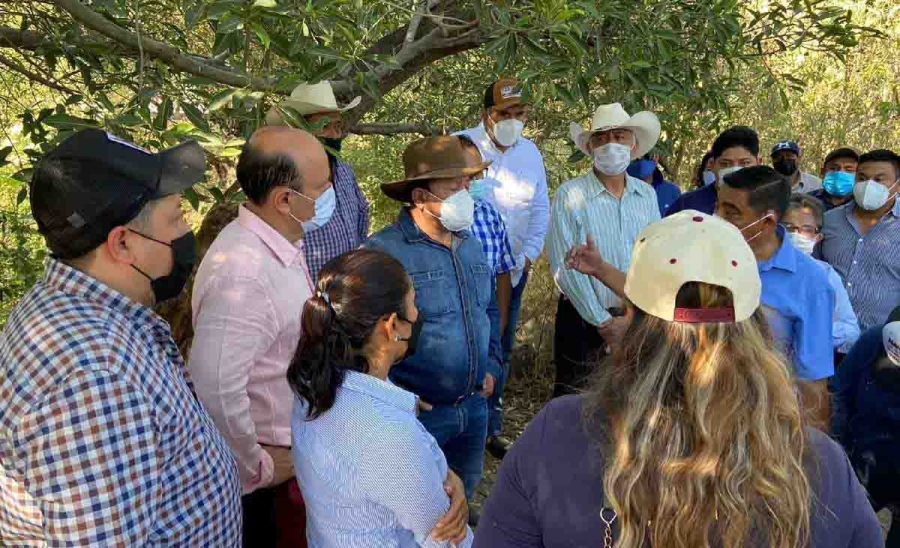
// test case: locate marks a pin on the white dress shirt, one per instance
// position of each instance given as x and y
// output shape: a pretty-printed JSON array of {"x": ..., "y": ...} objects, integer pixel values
[
  {"x": 583, "y": 206},
  {"x": 517, "y": 187}
]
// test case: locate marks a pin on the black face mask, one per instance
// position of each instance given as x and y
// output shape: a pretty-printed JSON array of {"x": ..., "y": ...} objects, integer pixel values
[
  {"x": 413, "y": 339},
  {"x": 333, "y": 144},
  {"x": 785, "y": 167},
  {"x": 184, "y": 257}
]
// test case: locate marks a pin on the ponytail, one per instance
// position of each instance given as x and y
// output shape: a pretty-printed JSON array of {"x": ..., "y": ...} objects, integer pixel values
[{"x": 339, "y": 319}]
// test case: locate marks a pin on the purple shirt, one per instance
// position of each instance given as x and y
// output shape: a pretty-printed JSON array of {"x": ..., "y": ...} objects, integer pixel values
[{"x": 549, "y": 490}]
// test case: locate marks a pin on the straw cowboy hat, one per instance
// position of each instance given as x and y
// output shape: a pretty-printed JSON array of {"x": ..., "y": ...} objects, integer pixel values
[
  {"x": 309, "y": 99},
  {"x": 645, "y": 126},
  {"x": 427, "y": 159}
]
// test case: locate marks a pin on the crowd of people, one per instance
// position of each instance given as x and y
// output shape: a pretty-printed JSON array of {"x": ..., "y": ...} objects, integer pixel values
[{"x": 727, "y": 359}]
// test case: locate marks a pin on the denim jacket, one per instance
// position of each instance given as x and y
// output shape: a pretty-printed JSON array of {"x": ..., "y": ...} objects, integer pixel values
[{"x": 460, "y": 339}]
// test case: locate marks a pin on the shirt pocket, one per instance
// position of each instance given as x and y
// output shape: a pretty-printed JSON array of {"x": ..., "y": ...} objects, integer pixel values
[
  {"x": 431, "y": 295},
  {"x": 481, "y": 276}
]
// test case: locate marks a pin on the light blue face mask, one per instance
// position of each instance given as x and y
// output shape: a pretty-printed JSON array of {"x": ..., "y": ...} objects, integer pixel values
[
  {"x": 478, "y": 189},
  {"x": 839, "y": 183},
  {"x": 324, "y": 204}
]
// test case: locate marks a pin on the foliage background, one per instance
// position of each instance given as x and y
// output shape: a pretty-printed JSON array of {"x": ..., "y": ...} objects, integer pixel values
[{"x": 701, "y": 66}]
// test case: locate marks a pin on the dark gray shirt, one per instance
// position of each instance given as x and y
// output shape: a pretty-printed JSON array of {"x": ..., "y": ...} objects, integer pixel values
[{"x": 549, "y": 490}]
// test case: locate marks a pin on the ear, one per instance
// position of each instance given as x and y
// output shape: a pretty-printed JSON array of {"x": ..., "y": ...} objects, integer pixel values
[
  {"x": 117, "y": 246},
  {"x": 280, "y": 198},
  {"x": 389, "y": 326},
  {"x": 759, "y": 161},
  {"x": 819, "y": 237}
]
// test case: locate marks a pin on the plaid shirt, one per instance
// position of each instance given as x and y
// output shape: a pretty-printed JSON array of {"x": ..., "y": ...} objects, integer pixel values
[
  {"x": 348, "y": 226},
  {"x": 102, "y": 442},
  {"x": 490, "y": 230}
]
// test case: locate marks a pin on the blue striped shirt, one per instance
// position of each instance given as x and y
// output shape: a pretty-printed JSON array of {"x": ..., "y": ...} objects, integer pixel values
[
  {"x": 370, "y": 474},
  {"x": 583, "y": 206},
  {"x": 868, "y": 263}
]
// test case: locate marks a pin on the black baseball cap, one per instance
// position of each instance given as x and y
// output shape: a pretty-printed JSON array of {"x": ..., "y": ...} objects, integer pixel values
[
  {"x": 94, "y": 181},
  {"x": 786, "y": 145}
]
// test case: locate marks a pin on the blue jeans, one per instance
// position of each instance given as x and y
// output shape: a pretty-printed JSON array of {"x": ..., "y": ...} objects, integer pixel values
[
  {"x": 461, "y": 432},
  {"x": 495, "y": 403}
]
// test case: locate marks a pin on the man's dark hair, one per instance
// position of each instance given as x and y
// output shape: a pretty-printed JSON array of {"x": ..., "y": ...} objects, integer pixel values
[
  {"x": 767, "y": 189},
  {"x": 258, "y": 173},
  {"x": 843, "y": 152},
  {"x": 882, "y": 155},
  {"x": 737, "y": 136}
]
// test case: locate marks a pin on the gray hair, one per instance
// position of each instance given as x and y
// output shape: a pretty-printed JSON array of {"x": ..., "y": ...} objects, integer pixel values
[{"x": 802, "y": 201}]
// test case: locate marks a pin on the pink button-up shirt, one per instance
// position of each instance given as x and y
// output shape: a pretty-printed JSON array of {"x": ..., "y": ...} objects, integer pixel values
[{"x": 247, "y": 301}]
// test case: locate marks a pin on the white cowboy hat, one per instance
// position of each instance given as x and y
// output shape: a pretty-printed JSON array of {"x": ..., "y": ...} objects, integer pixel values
[
  {"x": 315, "y": 99},
  {"x": 645, "y": 126}
]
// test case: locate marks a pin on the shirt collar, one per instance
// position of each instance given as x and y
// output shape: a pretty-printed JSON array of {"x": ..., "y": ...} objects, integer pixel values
[
  {"x": 283, "y": 249},
  {"x": 413, "y": 233},
  {"x": 632, "y": 185},
  {"x": 786, "y": 256},
  {"x": 378, "y": 389},
  {"x": 71, "y": 281}
]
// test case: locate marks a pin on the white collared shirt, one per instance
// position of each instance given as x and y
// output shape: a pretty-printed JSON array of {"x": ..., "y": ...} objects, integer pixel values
[
  {"x": 583, "y": 206},
  {"x": 517, "y": 187}
]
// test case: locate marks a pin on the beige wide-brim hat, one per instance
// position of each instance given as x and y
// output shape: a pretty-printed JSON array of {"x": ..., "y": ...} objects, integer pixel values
[
  {"x": 309, "y": 99},
  {"x": 645, "y": 126},
  {"x": 690, "y": 246}
]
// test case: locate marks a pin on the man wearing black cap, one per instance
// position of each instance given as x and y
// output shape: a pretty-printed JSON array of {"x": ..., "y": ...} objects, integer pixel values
[
  {"x": 786, "y": 161},
  {"x": 101, "y": 437}
]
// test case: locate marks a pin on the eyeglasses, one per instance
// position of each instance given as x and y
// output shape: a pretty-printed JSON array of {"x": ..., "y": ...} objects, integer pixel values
[{"x": 806, "y": 230}]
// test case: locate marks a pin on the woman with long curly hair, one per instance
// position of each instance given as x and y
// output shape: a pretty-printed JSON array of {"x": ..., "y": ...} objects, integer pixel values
[{"x": 693, "y": 434}]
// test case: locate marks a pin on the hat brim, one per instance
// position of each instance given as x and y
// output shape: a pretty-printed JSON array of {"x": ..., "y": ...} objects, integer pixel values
[
  {"x": 305, "y": 108},
  {"x": 181, "y": 167},
  {"x": 645, "y": 126},
  {"x": 506, "y": 103},
  {"x": 401, "y": 190}
]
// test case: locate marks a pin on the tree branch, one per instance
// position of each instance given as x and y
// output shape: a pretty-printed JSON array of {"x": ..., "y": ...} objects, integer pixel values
[
  {"x": 22, "y": 39},
  {"x": 158, "y": 50},
  {"x": 394, "y": 129},
  {"x": 13, "y": 65}
]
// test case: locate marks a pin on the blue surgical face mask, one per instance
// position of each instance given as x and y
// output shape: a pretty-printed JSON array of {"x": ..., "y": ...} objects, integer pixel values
[
  {"x": 324, "y": 204},
  {"x": 478, "y": 189},
  {"x": 709, "y": 177},
  {"x": 839, "y": 183}
]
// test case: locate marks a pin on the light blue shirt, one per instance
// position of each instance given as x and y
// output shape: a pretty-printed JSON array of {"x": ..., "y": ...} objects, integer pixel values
[
  {"x": 370, "y": 474},
  {"x": 583, "y": 206},
  {"x": 799, "y": 303},
  {"x": 845, "y": 331}
]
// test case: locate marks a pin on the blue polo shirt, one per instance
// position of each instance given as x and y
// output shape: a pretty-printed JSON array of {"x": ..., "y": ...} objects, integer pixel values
[
  {"x": 666, "y": 194},
  {"x": 703, "y": 200},
  {"x": 798, "y": 301}
]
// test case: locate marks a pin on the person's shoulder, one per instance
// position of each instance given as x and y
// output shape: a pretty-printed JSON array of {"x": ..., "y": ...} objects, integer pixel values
[
  {"x": 810, "y": 268},
  {"x": 559, "y": 423},
  {"x": 385, "y": 237},
  {"x": 573, "y": 188},
  {"x": 529, "y": 147},
  {"x": 838, "y": 214}
]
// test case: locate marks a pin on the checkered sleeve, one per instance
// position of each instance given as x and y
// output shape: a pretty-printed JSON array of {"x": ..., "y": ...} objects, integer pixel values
[
  {"x": 506, "y": 261},
  {"x": 88, "y": 453}
]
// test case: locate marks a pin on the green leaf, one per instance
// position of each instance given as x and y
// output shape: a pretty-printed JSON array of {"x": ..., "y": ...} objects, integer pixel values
[
  {"x": 216, "y": 194},
  {"x": 64, "y": 121},
  {"x": 22, "y": 195},
  {"x": 229, "y": 153},
  {"x": 263, "y": 36},
  {"x": 323, "y": 53},
  {"x": 195, "y": 116},
  {"x": 163, "y": 113},
  {"x": 192, "y": 197},
  {"x": 130, "y": 120},
  {"x": 4, "y": 154},
  {"x": 265, "y": 4},
  {"x": 230, "y": 22},
  {"x": 220, "y": 99}
]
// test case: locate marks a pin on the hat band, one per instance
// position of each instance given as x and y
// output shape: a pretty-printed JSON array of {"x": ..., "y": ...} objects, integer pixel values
[{"x": 704, "y": 315}]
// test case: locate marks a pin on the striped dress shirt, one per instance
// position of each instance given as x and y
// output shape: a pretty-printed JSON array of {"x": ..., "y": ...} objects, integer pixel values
[
  {"x": 868, "y": 263},
  {"x": 583, "y": 206},
  {"x": 371, "y": 475}
]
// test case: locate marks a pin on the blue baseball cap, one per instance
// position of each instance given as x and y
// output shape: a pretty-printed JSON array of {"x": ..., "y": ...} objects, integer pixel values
[{"x": 786, "y": 145}]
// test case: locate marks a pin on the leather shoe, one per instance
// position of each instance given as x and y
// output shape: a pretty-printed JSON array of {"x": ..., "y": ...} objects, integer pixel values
[{"x": 498, "y": 446}]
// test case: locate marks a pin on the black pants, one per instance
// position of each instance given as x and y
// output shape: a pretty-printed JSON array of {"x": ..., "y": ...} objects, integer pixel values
[
  {"x": 879, "y": 472},
  {"x": 577, "y": 346},
  {"x": 274, "y": 517}
]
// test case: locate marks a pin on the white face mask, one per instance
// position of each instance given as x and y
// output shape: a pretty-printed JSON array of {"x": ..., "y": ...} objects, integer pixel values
[
  {"x": 507, "y": 132},
  {"x": 612, "y": 159},
  {"x": 756, "y": 222},
  {"x": 724, "y": 172},
  {"x": 890, "y": 334},
  {"x": 457, "y": 211},
  {"x": 325, "y": 204},
  {"x": 802, "y": 243},
  {"x": 871, "y": 195}
]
